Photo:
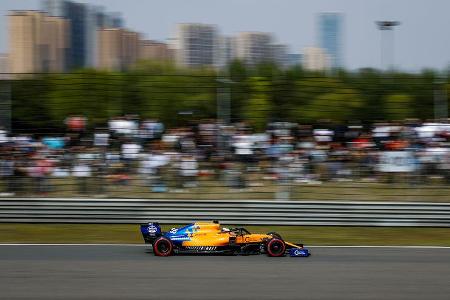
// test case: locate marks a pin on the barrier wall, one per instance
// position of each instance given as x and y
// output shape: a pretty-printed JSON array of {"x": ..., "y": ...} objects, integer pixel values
[{"x": 83, "y": 210}]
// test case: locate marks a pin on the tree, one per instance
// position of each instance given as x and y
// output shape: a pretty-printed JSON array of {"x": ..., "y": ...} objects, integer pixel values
[
  {"x": 399, "y": 106},
  {"x": 447, "y": 92},
  {"x": 29, "y": 106},
  {"x": 162, "y": 90},
  {"x": 258, "y": 107},
  {"x": 238, "y": 74},
  {"x": 340, "y": 105},
  {"x": 321, "y": 97},
  {"x": 165, "y": 96},
  {"x": 95, "y": 95},
  {"x": 237, "y": 71}
]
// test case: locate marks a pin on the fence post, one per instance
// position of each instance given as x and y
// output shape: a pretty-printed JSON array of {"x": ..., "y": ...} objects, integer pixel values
[
  {"x": 5, "y": 104},
  {"x": 440, "y": 99}
]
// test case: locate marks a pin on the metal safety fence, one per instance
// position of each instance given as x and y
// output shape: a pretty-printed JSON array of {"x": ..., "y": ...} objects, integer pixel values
[
  {"x": 257, "y": 133},
  {"x": 309, "y": 213}
]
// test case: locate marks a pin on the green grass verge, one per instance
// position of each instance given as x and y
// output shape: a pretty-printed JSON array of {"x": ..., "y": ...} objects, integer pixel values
[
  {"x": 309, "y": 235},
  {"x": 214, "y": 190}
]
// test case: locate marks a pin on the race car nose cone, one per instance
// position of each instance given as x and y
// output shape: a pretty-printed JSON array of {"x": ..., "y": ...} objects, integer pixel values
[{"x": 299, "y": 252}]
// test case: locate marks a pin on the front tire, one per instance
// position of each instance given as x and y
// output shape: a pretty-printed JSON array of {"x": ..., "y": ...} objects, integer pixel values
[
  {"x": 162, "y": 247},
  {"x": 275, "y": 247}
]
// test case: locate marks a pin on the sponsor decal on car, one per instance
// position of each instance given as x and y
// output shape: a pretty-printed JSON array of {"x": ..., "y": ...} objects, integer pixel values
[
  {"x": 203, "y": 248},
  {"x": 180, "y": 238},
  {"x": 298, "y": 252},
  {"x": 152, "y": 229}
]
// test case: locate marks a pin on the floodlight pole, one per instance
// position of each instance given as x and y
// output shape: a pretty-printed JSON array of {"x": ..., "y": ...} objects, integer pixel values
[
  {"x": 224, "y": 101},
  {"x": 5, "y": 104},
  {"x": 440, "y": 102}
]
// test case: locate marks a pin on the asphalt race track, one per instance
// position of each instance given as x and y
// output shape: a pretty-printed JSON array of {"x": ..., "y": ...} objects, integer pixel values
[{"x": 129, "y": 272}]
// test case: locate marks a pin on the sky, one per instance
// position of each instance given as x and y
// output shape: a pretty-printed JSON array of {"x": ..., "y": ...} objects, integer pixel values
[{"x": 421, "y": 41}]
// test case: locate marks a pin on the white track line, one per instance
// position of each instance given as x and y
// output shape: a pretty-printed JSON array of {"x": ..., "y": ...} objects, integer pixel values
[
  {"x": 395, "y": 247},
  {"x": 146, "y": 245}
]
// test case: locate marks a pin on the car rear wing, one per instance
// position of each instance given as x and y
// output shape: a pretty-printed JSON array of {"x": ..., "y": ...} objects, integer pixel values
[{"x": 150, "y": 232}]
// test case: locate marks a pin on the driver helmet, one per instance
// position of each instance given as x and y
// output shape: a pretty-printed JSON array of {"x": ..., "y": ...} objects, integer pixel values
[{"x": 224, "y": 229}]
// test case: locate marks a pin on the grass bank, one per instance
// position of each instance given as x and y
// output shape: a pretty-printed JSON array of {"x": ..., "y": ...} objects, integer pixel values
[
  {"x": 309, "y": 235},
  {"x": 210, "y": 189}
]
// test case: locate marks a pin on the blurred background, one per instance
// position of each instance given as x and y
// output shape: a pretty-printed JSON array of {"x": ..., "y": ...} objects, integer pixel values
[
  {"x": 325, "y": 121},
  {"x": 91, "y": 107}
]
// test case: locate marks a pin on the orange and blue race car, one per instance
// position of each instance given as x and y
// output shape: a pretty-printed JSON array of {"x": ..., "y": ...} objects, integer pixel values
[{"x": 211, "y": 238}]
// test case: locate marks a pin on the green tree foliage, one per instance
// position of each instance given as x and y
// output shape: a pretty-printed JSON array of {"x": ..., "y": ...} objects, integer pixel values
[
  {"x": 258, "y": 108},
  {"x": 28, "y": 104},
  {"x": 260, "y": 94},
  {"x": 447, "y": 92},
  {"x": 337, "y": 105},
  {"x": 399, "y": 106},
  {"x": 239, "y": 89},
  {"x": 95, "y": 95},
  {"x": 168, "y": 96},
  {"x": 324, "y": 98}
]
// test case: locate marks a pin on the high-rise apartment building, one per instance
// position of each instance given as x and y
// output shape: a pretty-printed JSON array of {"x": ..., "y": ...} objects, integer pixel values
[
  {"x": 115, "y": 18},
  {"x": 130, "y": 48},
  {"x": 279, "y": 55},
  {"x": 97, "y": 19},
  {"x": 254, "y": 47},
  {"x": 330, "y": 37},
  {"x": 294, "y": 59},
  {"x": 24, "y": 41},
  {"x": 153, "y": 50},
  {"x": 76, "y": 13},
  {"x": 4, "y": 66},
  {"x": 118, "y": 49},
  {"x": 91, "y": 35},
  {"x": 57, "y": 40},
  {"x": 107, "y": 20},
  {"x": 109, "y": 51},
  {"x": 195, "y": 44},
  {"x": 85, "y": 20},
  {"x": 315, "y": 59},
  {"x": 37, "y": 42},
  {"x": 226, "y": 51}
]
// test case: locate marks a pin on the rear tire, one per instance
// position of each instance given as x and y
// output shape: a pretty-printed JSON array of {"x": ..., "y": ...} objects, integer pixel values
[
  {"x": 162, "y": 247},
  {"x": 275, "y": 247}
]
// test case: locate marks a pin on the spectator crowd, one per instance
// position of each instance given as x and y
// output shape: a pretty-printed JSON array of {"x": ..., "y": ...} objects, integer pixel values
[{"x": 134, "y": 152}]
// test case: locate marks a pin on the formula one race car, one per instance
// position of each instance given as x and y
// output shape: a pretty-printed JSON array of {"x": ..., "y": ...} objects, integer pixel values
[{"x": 211, "y": 238}]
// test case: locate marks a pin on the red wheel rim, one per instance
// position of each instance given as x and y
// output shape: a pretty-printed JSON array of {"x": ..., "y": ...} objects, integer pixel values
[
  {"x": 276, "y": 247},
  {"x": 166, "y": 247}
]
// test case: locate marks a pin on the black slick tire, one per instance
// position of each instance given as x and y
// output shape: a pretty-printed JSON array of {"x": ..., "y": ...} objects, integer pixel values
[
  {"x": 275, "y": 247},
  {"x": 162, "y": 247}
]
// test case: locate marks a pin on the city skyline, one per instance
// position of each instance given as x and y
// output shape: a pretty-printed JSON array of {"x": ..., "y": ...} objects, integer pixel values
[
  {"x": 330, "y": 37},
  {"x": 361, "y": 37}
]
